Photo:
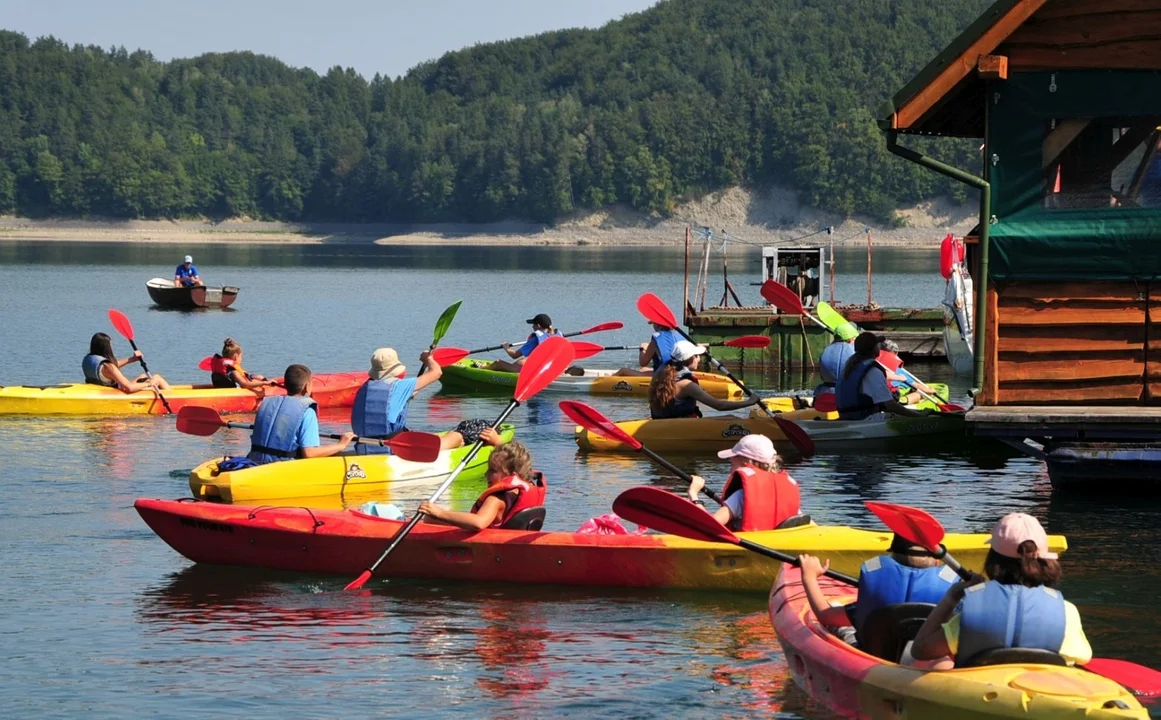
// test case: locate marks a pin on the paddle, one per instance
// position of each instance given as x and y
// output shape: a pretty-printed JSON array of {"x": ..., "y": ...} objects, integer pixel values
[
  {"x": 451, "y": 355},
  {"x": 663, "y": 511},
  {"x": 830, "y": 317},
  {"x": 545, "y": 364},
  {"x": 657, "y": 312},
  {"x": 123, "y": 326},
  {"x": 921, "y": 528},
  {"x": 414, "y": 446},
  {"x": 892, "y": 362},
  {"x": 745, "y": 341}
]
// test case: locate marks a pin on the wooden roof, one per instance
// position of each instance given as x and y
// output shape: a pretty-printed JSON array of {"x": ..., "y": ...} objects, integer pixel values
[{"x": 947, "y": 96}]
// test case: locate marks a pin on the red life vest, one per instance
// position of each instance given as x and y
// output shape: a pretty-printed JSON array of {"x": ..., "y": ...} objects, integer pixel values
[
  {"x": 769, "y": 498},
  {"x": 528, "y": 495},
  {"x": 220, "y": 365}
]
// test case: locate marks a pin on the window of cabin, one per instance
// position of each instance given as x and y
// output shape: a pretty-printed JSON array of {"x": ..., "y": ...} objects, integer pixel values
[{"x": 1102, "y": 163}]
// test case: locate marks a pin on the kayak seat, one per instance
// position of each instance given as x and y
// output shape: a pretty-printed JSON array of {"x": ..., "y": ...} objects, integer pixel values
[
  {"x": 1014, "y": 656},
  {"x": 526, "y": 519},
  {"x": 888, "y": 630},
  {"x": 794, "y": 521}
]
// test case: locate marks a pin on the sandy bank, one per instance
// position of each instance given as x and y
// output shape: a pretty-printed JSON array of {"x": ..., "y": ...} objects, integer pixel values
[{"x": 765, "y": 217}]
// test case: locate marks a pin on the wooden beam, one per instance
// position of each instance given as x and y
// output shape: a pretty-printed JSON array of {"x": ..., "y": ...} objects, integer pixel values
[
  {"x": 1119, "y": 338},
  {"x": 991, "y": 348},
  {"x": 992, "y": 67},
  {"x": 1060, "y": 138},
  {"x": 1074, "y": 8},
  {"x": 1063, "y": 292},
  {"x": 1128, "y": 55},
  {"x": 1124, "y": 391},
  {"x": 1070, "y": 370},
  {"x": 1083, "y": 30},
  {"x": 1125, "y": 315},
  {"x": 927, "y": 98}
]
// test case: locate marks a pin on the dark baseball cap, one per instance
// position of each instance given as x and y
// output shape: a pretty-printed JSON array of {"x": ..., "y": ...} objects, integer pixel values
[{"x": 542, "y": 320}]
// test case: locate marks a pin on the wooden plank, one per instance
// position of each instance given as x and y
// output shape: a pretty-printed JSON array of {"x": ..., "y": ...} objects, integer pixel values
[
  {"x": 1071, "y": 8},
  {"x": 1086, "y": 30},
  {"x": 991, "y": 347},
  {"x": 992, "y": 67},
  {"x": 1067, "y": 315},
  {"x": 1060, "y": 138},
  {"x": 1154, "y": 394},
  {"x": 958, "y": 69},
  {"x": 1056, "y": 342},
  {"x": 1069, "y": 369},
  {"x": 1144, "y": 54},
  {"x": 1074, "y": 291},
  {"x": 1066, "y": 414},
  {"x": 1043, "y": 393}
]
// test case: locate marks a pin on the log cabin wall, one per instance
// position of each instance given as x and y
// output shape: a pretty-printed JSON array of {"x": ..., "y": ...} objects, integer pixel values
[
  {"x": 1087, "y": 34},
  {"x": 1083, "y": 343}
]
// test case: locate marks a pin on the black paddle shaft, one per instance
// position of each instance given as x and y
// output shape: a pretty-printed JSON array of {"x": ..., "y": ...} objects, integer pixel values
[
  {"x": 150, "y": 376},
  {"x": 330, "y": 436},
  {"x": 679, "y": 472},
  {"x": 768, "y": 552}
]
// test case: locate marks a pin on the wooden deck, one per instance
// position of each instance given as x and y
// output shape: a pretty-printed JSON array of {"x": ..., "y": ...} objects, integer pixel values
[{"x": 1106, "y": 422}]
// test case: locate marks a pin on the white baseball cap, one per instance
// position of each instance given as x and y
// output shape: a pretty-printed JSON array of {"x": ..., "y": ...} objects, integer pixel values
[
  {"x": 189, "y": 258},
  {"x": 758, "y": 448},
  {"x": 684, "y": 350}
]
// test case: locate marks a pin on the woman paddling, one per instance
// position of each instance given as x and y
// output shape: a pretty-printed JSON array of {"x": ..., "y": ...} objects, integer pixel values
[
  {"x": 226, "y": 370},
  {"x": 101, "y": 367},
  {"x": 1018, "y": 607},
  {"x": 675, "y": 393}
]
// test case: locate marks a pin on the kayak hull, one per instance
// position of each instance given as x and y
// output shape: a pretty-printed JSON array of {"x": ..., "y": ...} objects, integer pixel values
[
  {"x": 344, "y": 542},
  {"x": 333, "y": 390},
  {"x": 334, "y": 476},
  {"x": 857, "y": 685},
  {"x": 470, "y": 375},
  {"x": 167, "y": 295},
  {"x": 718, "y": 432}
]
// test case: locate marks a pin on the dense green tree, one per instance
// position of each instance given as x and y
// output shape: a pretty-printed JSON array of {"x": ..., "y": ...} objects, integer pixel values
[{"x": 685, "y": 98}]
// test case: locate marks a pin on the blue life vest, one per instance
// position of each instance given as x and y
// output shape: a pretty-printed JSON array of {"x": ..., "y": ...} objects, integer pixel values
[
  {"x": 369, "y": 415},
  {"x": 681, "y": 407},
  {"x": 883, "y": 581},
  {"x": 665, "y": 340},
  {"x": 995, "y": 616},
  {"x": 833, "y": 360},
  {"x": 91, "y": 367},
  {"x": 534, "y": 340},
  {"x": 852, "y": 403},
  {"x": 275, "y": 434}
]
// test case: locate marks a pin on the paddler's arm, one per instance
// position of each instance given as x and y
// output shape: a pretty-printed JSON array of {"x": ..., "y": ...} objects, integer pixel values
[
  {"x": 513, "y": 353},
  {"x": 135, "y": 357},
  {"x": 430, "y": 373},
  {"x": 695, "y": 391},
  {"x": 931, "y": 641},
  {"x": 827, "y": 614},
  {"x": 897, "y": 408},
  {"x": 646, "y": 353},
  {"x": 479, "y": 520}
]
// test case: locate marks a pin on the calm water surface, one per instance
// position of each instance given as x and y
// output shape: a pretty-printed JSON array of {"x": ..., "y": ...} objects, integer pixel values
[{"x": 99, "y": 617}]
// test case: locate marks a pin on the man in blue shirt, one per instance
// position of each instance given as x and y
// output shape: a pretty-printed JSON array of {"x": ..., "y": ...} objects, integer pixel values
[{"x": 186, "y": 274}]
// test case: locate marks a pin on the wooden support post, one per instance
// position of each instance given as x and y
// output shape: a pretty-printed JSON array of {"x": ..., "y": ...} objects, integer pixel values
[{"x": 993, "y": 67}]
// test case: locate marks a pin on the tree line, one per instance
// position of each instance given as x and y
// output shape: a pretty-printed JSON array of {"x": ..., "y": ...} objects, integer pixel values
[{"x": 687, "y": 97}]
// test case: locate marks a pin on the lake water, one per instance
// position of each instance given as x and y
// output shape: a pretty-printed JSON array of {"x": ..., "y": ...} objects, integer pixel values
[{"x": 99, "y": 617}]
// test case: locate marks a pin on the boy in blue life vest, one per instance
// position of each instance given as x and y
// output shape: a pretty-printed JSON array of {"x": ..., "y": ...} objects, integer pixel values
[
  {"x": 381, "y": 404},
  {"x": 286, "y": 426},
  {"x": 1017, "y": 607},
  {"x": 862, "y": 390},
  {"x": 906, "y": 574},
  {"x": 186, "y": 274}
]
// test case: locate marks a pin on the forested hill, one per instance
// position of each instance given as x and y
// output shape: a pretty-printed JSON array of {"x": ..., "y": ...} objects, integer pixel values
[{"x": 684, "y": 98}]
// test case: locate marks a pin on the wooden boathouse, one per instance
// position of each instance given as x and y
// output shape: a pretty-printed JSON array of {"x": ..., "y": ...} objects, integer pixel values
[{"x": 1065, "y": 96}]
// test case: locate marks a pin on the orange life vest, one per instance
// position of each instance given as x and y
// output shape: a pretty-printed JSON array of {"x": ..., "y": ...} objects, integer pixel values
[
  {"x": 528, "y": 495},
  {"x": 769, "y": 498}
]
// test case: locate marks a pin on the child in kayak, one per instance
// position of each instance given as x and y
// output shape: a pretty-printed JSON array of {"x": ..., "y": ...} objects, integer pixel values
[
  {"x": 906, "y": 574},
  {"x": 1017, "y": 607},
  {"x": 101, "y": 367},
  {"x": 226, "y": 370},
  {"x": 286, "y": 426},
  {"x": 675, "y": 393},
  {"x": 542, "y": 329},
  {"x": 512, "y": 487},
  {"x": 759, "y": 494}
]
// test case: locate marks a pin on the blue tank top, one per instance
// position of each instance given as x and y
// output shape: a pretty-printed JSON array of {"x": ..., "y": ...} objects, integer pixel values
[
  {"x": 994, "y": 616},
  {"x": 91, "y": 367},
  {"x": 883, "y": 582},
  {"x": 275, "y": 434}
]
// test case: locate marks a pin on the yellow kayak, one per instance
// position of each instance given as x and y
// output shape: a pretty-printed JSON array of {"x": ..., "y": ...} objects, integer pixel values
[
  {"x": 855, "y": 684},
  {"x": 694, "y": 435},
  {"x": 347, "y": 475},
  {"x": 470, "y": 375}
]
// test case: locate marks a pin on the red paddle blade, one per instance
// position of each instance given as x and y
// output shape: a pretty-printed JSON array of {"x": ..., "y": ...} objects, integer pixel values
[
  {"x": 418, "y": 447},
  {"x": 206, "y": 364},
  {"x": 449, "y": 355},
  {"x": 748, "y": 341},
  {"x": 121, "y": 323},
  {"x": 550, "y": 358},
  {"x": 656, "y": 311},
  {"x": 952, "y": 408},
  {"x": 1140, "y": 680},
  {"x": 592, "y": 420},
  {"x": 201, "y": 421},
  {"x": 889, "y": 360},
  {"x": 614, "y": 325},
  {"x": 802, "y": 442},
  {"x": 782, "y": 298},
  {"x": 359, "y": 581},
  {"x": 911, "y": 523},
  {"x": 582, "y": 350},
  {"x": 827, "y": 402},
  {"x": 660, "y": 510}
]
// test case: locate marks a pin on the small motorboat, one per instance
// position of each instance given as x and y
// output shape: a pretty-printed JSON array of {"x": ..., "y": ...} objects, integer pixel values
[{"x": 167, "y": 295}]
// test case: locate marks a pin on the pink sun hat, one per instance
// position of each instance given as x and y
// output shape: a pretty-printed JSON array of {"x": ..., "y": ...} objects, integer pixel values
[{"x": 1016, "y": 528}]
